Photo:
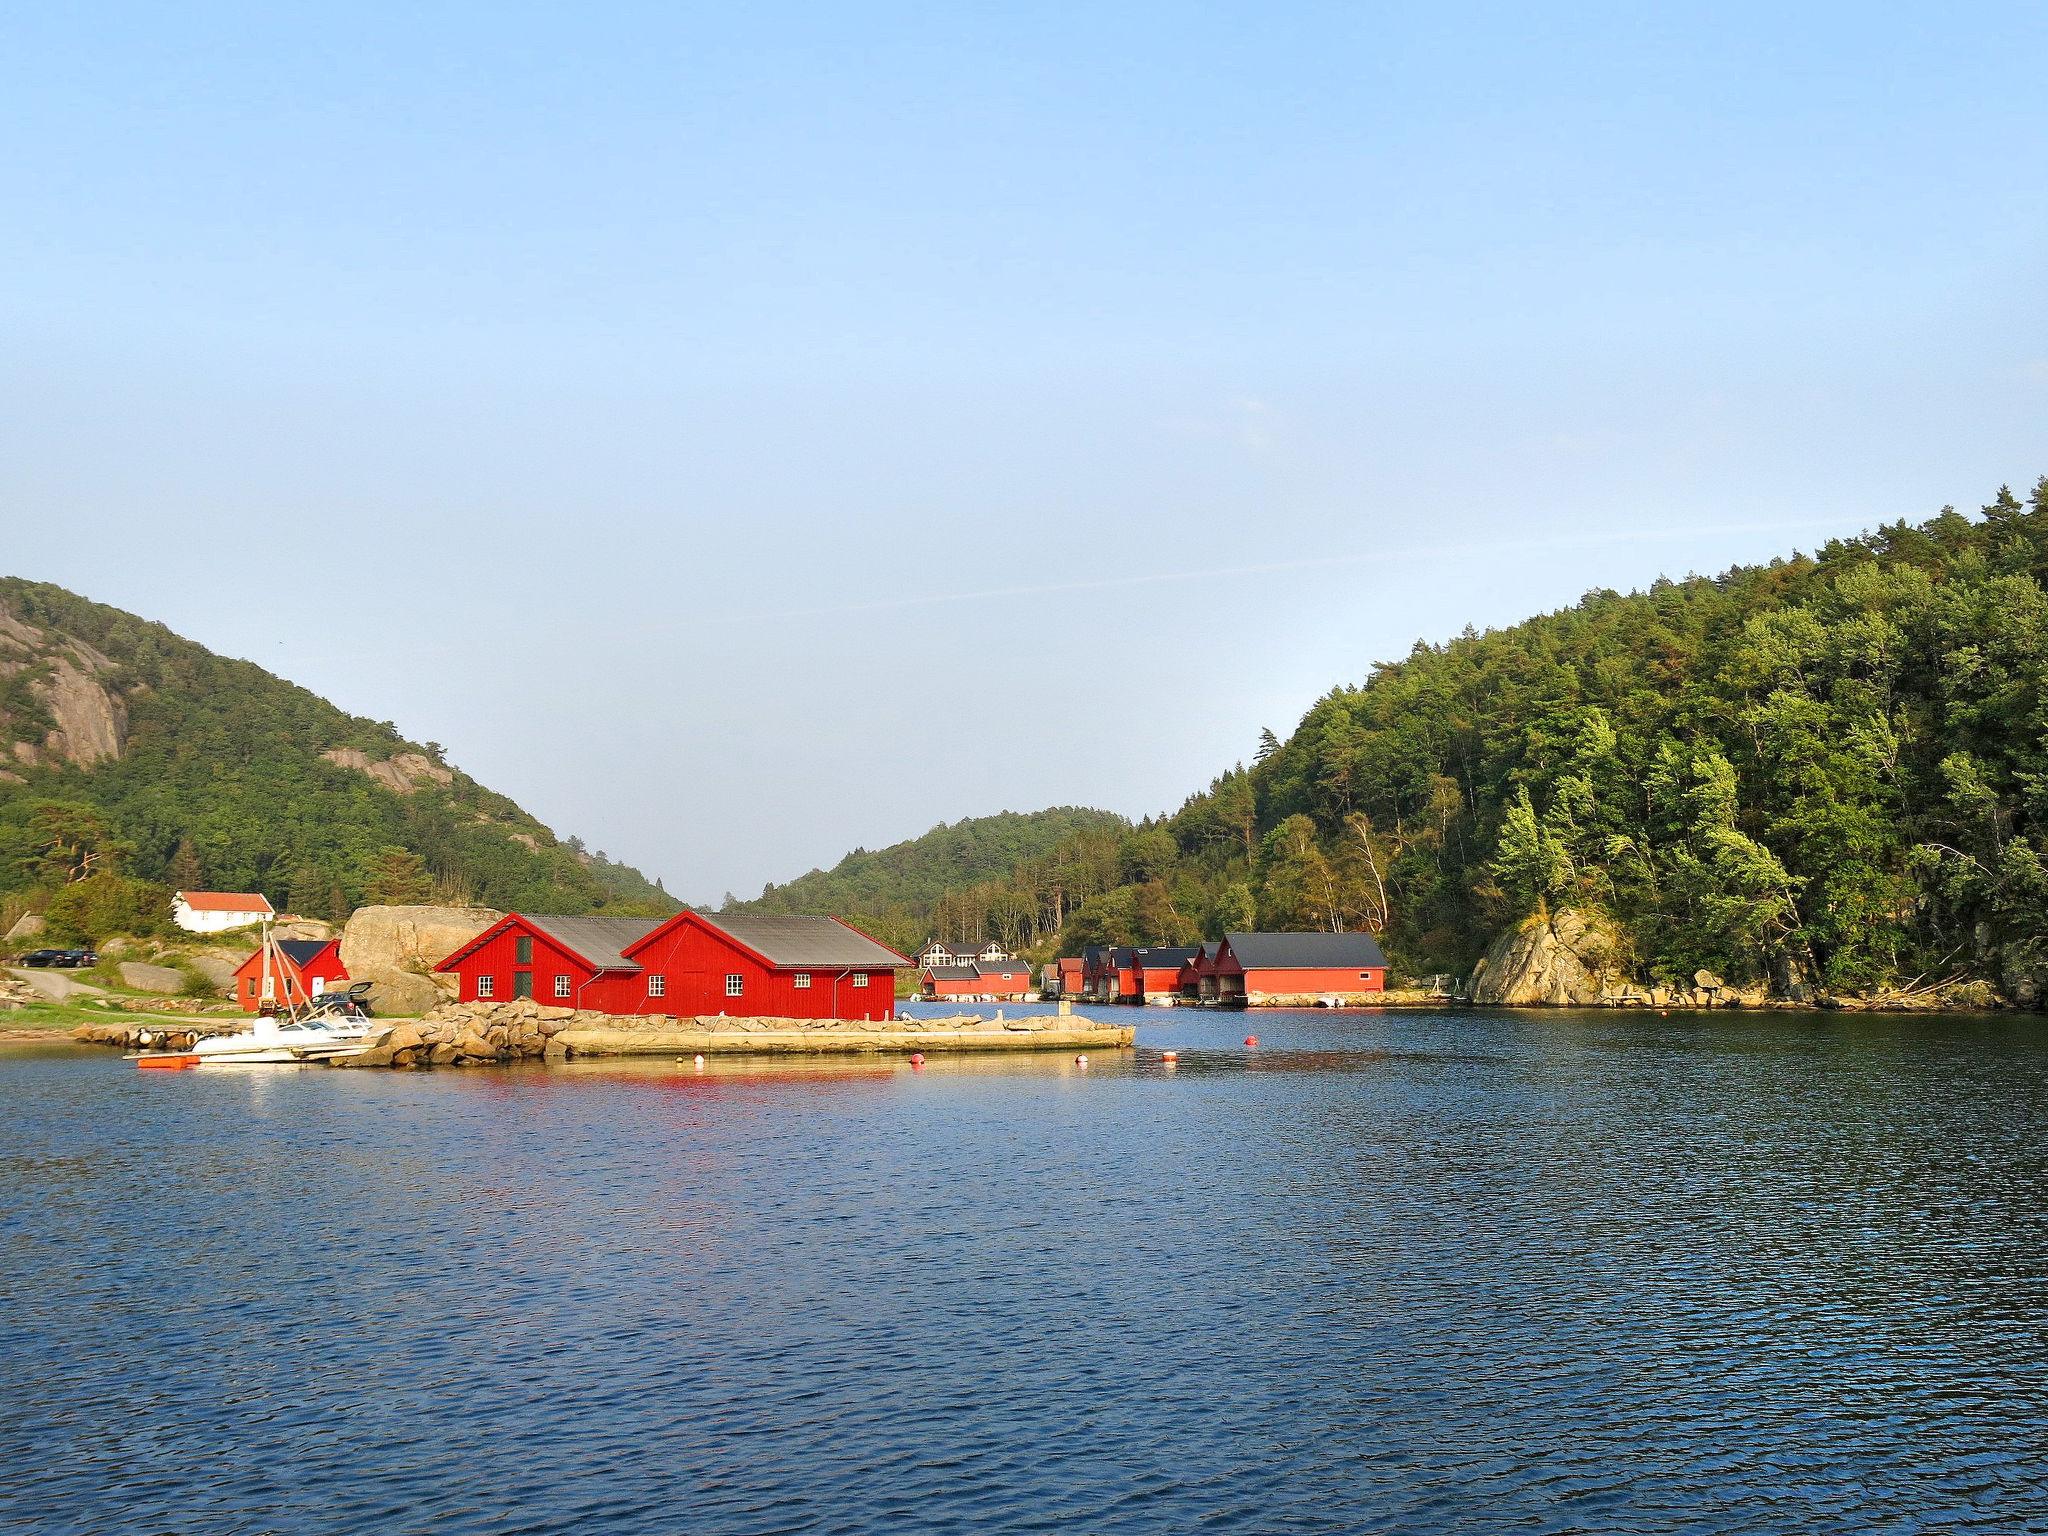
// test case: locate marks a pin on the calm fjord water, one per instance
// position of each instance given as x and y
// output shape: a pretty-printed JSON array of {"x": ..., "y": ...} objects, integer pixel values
[{"x": 1384, "y": 1273}]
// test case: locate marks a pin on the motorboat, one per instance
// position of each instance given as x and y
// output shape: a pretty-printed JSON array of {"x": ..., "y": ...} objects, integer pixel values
[
  {"x": 282, "y": 1040},
  {"x": 325, "y": 1026}
]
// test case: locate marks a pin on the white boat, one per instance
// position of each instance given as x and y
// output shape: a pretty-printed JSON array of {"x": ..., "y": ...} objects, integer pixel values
[
  {"x": 284, "y": 1040},
  {"x": 293, "y": 1036}
]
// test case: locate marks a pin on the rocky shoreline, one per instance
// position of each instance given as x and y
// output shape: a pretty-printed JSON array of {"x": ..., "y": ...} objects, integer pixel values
[{"x": 1569, "y": 959}]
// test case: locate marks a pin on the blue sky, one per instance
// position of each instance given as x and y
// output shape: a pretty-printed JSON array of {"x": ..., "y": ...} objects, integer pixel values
[{"x": 692, "y": 394}]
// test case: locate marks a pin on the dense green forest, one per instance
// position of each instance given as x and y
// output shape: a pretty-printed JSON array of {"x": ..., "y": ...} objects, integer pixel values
[
  {"x": 1831, "y": 769},
  {"x": 961, "y": 881},
  {"x": 219, "y": 781}
]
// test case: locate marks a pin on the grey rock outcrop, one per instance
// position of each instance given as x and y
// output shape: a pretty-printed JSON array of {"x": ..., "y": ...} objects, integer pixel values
[
  {"x": 151, "y": 978},
  {"x": 395, "y": 949},
  {"x": 1569, "y": 959}
]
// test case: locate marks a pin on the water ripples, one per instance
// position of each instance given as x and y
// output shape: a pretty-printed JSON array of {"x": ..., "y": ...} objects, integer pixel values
[{"x": 1385, "y": 1273}]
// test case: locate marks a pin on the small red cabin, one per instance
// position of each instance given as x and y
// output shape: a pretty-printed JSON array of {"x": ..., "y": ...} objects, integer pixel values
[
  {"x": 300, "y": 970},
  {"x": 1003, "y": 980},
  {"x": 689, "y": 965},
  {"x": 1252, "y": 968},
  {"x": 1071, "y": 970},
  {"x": 1156, "y": 973}
]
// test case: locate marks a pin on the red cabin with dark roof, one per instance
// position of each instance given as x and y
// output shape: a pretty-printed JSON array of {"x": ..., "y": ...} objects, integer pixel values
[
  {"x": 300, "y": 970},
  {"x": 1252, "y": 968},
  {"x": 1003, "y": 980},
  {"x": 1072, "y": 971},
  {"x": 688, "y": 965},
  {"x": 1156, "y": 972}
]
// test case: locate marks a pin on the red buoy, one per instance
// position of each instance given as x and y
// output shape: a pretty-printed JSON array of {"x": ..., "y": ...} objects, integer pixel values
[
  {"x": 1169, "y": 1057},
  {"x": 1251, "y": 1039},
  {"x": 917, "y": 1058}
]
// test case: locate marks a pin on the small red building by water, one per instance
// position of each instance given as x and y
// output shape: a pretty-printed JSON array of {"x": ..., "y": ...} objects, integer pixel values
[
  {"x": 760, "y": 965},
  {"x": 300, "y": 970},
  {"x": 1071, "y": 974},
  {"x": 1003, "y": 980},
  {"x": 1255, "y": 968},
  {"x": 1155, "y": 973}
]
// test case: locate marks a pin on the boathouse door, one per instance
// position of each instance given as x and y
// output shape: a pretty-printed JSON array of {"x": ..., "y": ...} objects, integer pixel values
[{"x": 522, "y": 983}]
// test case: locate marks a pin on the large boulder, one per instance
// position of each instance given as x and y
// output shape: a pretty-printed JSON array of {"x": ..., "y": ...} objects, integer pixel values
[
  {"x": 151, "y": 978},
  {"x": 29, "y": 925},
  {"x": 1568, "y": 959},
  {"x": 215, "y": 967},
  {"x": 395, "y": 949}
]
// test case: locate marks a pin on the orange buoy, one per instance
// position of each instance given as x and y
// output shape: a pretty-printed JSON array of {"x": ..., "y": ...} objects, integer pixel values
[
  {"x": 169, "y": 1063},
  {"x": 917, "y": 1058},
  {"x": 1169, "y": 1057},
  {"x": 1251, "y": 1039}
]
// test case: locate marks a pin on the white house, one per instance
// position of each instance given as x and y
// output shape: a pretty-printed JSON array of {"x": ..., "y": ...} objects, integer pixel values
[{"x": 218, "y": 911}]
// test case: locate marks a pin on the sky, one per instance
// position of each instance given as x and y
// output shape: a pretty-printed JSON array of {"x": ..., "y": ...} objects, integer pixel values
[{"x": 744, "y": 433}]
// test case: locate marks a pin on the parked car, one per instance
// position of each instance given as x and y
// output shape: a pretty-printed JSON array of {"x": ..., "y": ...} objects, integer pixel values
[{"x": 67, "y": 959}]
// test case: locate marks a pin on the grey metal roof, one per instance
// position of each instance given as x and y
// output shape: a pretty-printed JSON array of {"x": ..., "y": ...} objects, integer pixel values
[
  {"x": 1306, "y": 951},
  {"x": 1160, "y": 956},
  {"x": 597, "y": 939},
  {"x": 823, "y": 943},
  {"x": 952, "y": 973}
]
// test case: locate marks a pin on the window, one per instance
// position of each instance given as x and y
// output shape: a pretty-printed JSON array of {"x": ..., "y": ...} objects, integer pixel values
[
  {"x": 487, "y": 986},
  {"x": 522, "y": 949},
  {"x": 561, "y": 986},
  {"x": 735, "y": 986},
  {"x": 252, "y": 986},
  {"x": 657, "y": 986},
  {"x": 803, "y": 980},
  {"x": 860, "y": 978}
]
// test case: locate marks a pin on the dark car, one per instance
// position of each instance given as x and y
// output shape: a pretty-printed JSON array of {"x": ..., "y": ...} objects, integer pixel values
[{"x": 68, "y": 959}]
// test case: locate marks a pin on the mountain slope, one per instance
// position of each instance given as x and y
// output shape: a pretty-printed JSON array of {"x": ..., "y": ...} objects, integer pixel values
[
  {"x": 195, "y": 769},
  {"x": 907, "y": 892},
  {"x": 1825, "y": 772}
]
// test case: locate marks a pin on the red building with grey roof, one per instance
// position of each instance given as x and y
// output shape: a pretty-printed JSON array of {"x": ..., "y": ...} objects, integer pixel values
[{"x": 689, "y": 965}]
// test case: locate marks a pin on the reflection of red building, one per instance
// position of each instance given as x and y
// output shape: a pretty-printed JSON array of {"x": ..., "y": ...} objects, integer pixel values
[
  {"x": 300, "y": 970},
  {"x": 688, "y": 965},
  {"x": 1004, "y": 980},
  {"x": 1254, "y": 967}
]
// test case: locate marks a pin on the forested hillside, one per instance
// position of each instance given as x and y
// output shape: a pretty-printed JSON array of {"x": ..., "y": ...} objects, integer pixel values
[
  {"x": 966, "y": 880},
  {"x": 128, "y": 753},
  {"x": 1830, "y": 769}
]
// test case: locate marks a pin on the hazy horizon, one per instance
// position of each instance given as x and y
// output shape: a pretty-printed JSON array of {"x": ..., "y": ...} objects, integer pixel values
[{"x": 693, "y": 408}]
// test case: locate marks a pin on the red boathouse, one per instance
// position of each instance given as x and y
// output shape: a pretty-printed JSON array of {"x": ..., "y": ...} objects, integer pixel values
[
  {"x": 1004, "y": 980},
  {"x": 688, "y": 965},
  {"x": 300, "y": 970},
  {"x": 1156, "y": 973},
  {"x": 1283, "y": 968}
]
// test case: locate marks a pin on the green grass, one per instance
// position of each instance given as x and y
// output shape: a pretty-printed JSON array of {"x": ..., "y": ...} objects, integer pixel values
[{"x": 49, "y": 1015}]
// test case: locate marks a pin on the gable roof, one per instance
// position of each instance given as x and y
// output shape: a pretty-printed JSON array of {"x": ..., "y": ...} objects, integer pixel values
[
  {"x": 598, "y": 940},
  {"x": 821, "y": 943},
  {"x": 952, "y": 973},
  {"x": 303, "y": 952},
  {"x": 224, "y": 901},
  {"x": 1306, "y": 951}
]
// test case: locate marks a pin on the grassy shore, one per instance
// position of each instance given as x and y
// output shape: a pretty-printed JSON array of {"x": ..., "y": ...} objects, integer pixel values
[{"x": 51, "y": 1020}]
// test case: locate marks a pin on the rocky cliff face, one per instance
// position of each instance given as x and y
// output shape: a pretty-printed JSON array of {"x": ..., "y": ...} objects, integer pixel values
[
  {"x": 64, "y": 706},
  {"x": 402, "y": 773},
  {"x": 1566, "y": 960}
]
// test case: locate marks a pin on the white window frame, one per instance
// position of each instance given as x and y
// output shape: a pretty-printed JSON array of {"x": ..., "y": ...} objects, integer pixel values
[
  {"x": 487, "y": 986},
  {"x": 803, "y": 981},
  {"x": 561, "y": 986},
  {"x": 657, "y": 986},
  {"x": 860, "y": 978},
  {"x": 735, "y": 984}
]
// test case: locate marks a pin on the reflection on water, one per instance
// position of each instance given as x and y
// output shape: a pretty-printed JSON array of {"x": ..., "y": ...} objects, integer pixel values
[{"x": 1383, "y": 1272}]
